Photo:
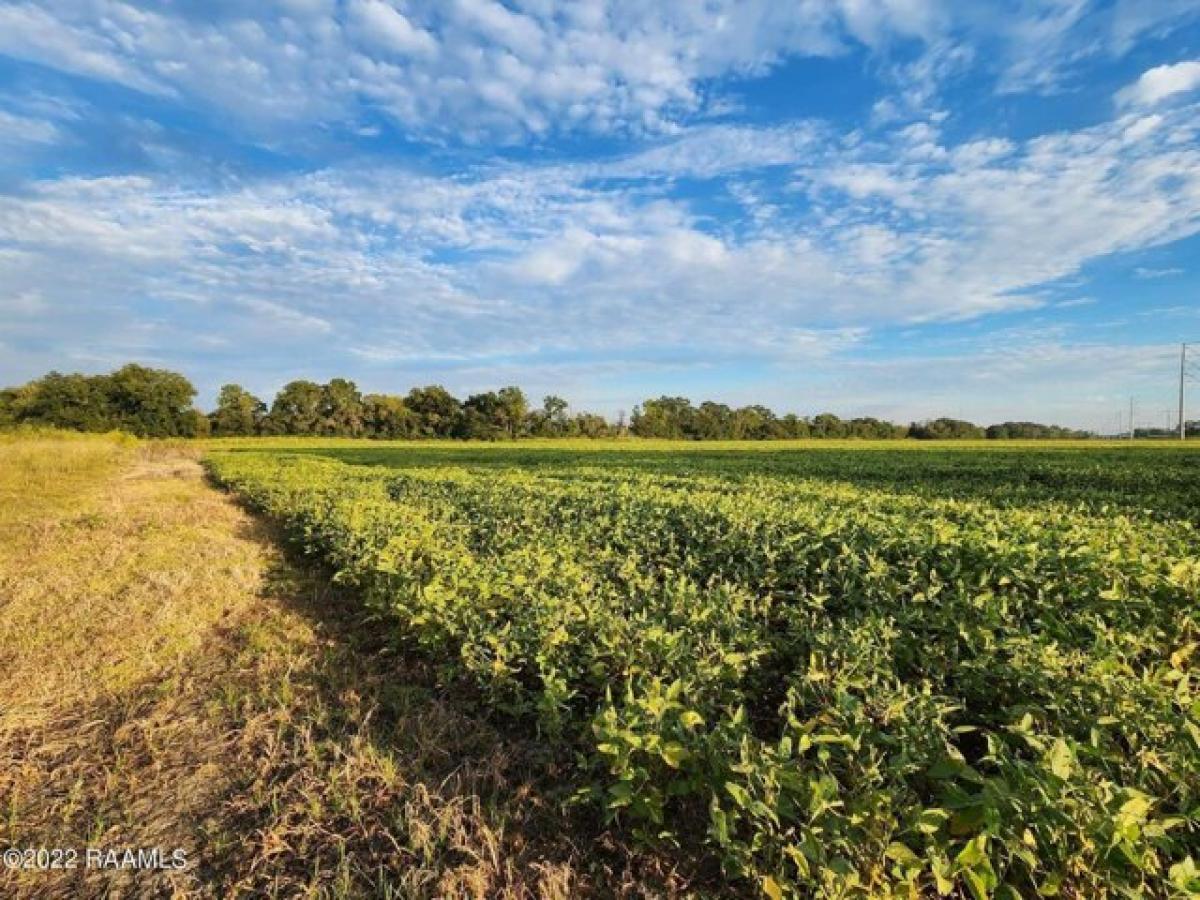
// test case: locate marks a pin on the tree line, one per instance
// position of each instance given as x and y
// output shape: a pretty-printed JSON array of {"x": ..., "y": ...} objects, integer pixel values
[
  {"x": 339, "y": 409},
  {"x": 135, "y": 399},
  {"x": 676, "y": 417},
  {"x": 158, "y": 403}
]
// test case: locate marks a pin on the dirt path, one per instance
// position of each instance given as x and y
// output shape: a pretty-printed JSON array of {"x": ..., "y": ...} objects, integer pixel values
[{"x": 169, "y": 680}]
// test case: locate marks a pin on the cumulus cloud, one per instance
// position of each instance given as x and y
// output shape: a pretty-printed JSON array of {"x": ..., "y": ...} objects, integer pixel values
[
  {"x": 471, "y": 68},
  {"x": 76, "y": 45},
  {"x": 1160, "y": 83},
  {"x": 480, "y": 69},
  {"x": 385, "y": 27},
  {"x": 608, "y": 257},
  {"x": 681, "y": 241}
]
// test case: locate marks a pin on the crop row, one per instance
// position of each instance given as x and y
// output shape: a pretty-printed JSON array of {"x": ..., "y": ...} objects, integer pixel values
[{"x": 840, "y": 691}]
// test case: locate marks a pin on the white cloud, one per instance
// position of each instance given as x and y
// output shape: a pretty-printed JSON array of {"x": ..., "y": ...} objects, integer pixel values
[
  {"x": 981, "y": 152},
  {"x": 480, "y": 69},
  {"x": 863, "y": 180},
  {"x": 606, "y": 258},
  {"x": 383, "y": 26},
  {"x": 30, "y": 32},
  {"x": 1044, "y": 46},
  {"x": 1160, "y": 83},
  {"x": 701, "y": 245},
  {"x": 1139, "y": 128},
  {"x": 1041, "y": 42},
  {"x": 1134, "y": 19},
  {"x": 16, "y": 130},
  {"x": 1149, "y": 273},
  {"x": 285, "y": 317},
  {"x": 468, "y": 68},
  {"x": 715, "y": 150}
]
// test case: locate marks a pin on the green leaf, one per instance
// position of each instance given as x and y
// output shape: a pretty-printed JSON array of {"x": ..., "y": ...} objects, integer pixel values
[
  {"x": 691, "y": 719},
  {"x": 1185, "y": 876},
  {"x": 1060, "y": 759},
  {"x": 673, "y": 754},
  {"x": 738, "y": 793},
  {"x": 973, "y": 853},
  {"x": 720, "y": 824},
  {"x": 930, "y": 820},
  {"x": 902, "y": 854},
  {"x": 620, "y": 794}
]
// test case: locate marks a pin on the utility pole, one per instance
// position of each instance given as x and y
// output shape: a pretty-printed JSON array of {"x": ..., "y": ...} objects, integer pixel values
[
  {"x": 1131, "y": 418},
  {"x": 1182, "y": 372}
]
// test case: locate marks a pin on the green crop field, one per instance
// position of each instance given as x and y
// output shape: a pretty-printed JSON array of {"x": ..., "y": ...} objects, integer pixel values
[{"x": 839, "y": 669}]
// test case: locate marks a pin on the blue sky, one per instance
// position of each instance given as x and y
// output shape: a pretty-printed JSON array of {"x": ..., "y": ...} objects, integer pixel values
[{"x": 902, "y": 208}]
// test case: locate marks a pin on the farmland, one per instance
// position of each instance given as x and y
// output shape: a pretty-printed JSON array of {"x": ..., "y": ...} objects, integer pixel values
[
  {"x": 836, "y": 669},
  {"x": 170, "y": 678}
]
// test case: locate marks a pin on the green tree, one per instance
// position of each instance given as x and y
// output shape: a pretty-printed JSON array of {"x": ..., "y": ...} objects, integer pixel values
[
  {"x": 238, "y": 412},
  {"x": 436, "y": 409},
  {"x": 8, "y": 407},
  {"x": 16, "y": 403},
  {"x": 151, "y": 402},
  {"x": 513, "y": 410},
  {"x": 827, "y": 425},
  {"x": 387, "y": 416},
  {"x": 944, "y": 429},
  {"x": 195, "y": 424},
  {"x": 341, "y": 411},
  {"x": 874, "y": 429},
  {"x": 483, "y": 417},
  {"x": 1031, "y": 431},
  {"x": 590, "y": 425},
  {"x": 753, "y": 423},
  {"x": 555, "y": 409},
  {"x": 712, "y": 421},
  {"x": 297, "y": 408},
  {"x": 792, "y": 426},
  {"x": 140, "y": 400},
  {"x": 666, "y": 417},
  {"x": 78, "y": 402},
  {"x": 550, "y": 420}
]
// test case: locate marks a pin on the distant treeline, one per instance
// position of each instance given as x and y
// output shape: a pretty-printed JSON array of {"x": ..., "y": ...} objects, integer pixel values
[
  {"x": 159, "y": 403},
  {"x": 676, "y": 417}
]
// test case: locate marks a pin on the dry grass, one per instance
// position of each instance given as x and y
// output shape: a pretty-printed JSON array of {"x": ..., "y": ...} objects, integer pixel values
[
  {"x": 38, "y": 473},
  {"x": 168, "y": 678}
]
